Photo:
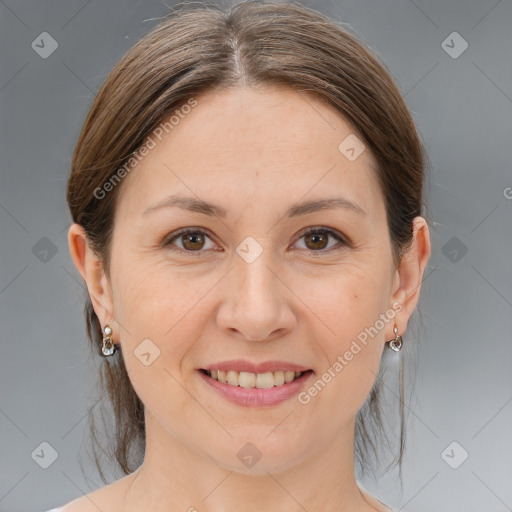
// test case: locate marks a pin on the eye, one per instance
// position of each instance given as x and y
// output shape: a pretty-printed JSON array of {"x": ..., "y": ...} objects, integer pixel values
[
  {"x": 192, "y": 239},
  {"x": 316, "y": 239}
]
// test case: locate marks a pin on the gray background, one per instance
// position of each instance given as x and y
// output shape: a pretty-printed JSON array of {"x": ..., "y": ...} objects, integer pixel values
[{"x": 463, "y": 109}]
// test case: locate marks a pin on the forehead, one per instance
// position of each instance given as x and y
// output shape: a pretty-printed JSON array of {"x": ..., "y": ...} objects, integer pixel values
[{"x": 265, "y": 144}]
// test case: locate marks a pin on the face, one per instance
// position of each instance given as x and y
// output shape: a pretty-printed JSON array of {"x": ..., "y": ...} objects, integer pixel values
[{"x": 250, "y": 282}]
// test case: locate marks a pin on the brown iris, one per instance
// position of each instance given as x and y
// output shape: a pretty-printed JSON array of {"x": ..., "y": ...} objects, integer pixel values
[
  {"x": 319, "y": 240},
  {"x": 195, "y": 241}
]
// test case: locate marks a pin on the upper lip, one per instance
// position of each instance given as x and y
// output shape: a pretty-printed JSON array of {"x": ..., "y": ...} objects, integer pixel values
[{"x": 241, "y": 365}]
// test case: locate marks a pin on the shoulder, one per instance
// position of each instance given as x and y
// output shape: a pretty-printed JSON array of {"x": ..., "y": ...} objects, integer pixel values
[
  {"x": 85, "y": 503},
  {"x": 372, "y": 500},
  {"x": 106, "y": 499}
]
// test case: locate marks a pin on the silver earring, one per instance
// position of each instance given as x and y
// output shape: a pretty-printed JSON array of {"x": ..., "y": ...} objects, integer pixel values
[
  {"x": 108, "y": 347},
  {"x": 396, "y": 343}
]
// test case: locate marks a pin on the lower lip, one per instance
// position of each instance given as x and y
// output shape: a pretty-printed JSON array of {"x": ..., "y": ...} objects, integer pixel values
[{"x": 254, "y": 397}]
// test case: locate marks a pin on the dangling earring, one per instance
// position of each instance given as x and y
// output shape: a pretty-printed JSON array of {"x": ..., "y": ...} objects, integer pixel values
[
  {"x": 396, "y": 343},
  {"x": 108, "y": 347}
]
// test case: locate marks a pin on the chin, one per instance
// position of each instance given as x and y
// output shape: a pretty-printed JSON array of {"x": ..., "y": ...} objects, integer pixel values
[{"x": 260, "y": 455}]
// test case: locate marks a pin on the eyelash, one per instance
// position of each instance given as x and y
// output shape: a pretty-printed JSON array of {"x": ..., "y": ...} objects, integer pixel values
[{"x": 311, "y": 231}]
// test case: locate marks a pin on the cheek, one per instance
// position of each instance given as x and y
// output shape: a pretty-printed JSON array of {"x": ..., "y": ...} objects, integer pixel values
[
  {"x": 155, "y": 309},
  {"x": 352, "y": 309},
  {"x": 162, "y": 305},
  {"x": 156, "y": 298},
  {"x": 348, "y": 301}
]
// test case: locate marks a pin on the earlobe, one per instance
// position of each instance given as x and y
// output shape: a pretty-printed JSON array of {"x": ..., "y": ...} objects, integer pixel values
[
  {"x": 91, "y": 269},
  {"x": 409, "y": 274}
]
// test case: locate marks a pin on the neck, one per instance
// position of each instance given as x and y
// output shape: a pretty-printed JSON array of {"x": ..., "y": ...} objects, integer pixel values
[{"x": 173, "y": 476}]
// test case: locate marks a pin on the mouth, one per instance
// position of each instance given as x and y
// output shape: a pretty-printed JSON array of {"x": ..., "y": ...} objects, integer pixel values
[
  {"x": 265, "y": 380},
  {"x": 255, "y": 384}
]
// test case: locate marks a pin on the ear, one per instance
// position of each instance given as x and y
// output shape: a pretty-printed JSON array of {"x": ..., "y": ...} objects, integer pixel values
[
  {"x": 409, "y": 274},
  {"x": 91, "y": 270}
]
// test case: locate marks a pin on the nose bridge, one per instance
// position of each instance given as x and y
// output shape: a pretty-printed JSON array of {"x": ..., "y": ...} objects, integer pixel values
[
  {"x": 255, "y": 279},
  {"x": 257, "y": 304}
]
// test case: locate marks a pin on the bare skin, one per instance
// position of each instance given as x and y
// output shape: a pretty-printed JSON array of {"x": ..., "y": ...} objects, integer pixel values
[{"x": 254, "y": 152}]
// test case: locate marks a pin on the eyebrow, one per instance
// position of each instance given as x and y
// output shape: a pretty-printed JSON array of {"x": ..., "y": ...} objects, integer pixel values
[{"x": 207, "y": 208}]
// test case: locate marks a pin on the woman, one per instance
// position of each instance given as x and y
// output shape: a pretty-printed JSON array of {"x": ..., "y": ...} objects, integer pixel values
[{"x": 246, "y": 195}]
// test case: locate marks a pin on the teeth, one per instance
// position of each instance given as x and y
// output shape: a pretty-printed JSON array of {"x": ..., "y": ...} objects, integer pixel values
[
  {"x": 289, "y": 376},
  {"x": 279, "y": 378},
  {"x": 232, "y": 378},
  {"x": 247, "y": 380},
  {"x": 265, "y": 380},
  {"x": 253, "y": 380}
]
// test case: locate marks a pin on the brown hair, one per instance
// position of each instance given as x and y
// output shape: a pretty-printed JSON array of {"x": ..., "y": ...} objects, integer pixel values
[{"x": 203, "y": 46}]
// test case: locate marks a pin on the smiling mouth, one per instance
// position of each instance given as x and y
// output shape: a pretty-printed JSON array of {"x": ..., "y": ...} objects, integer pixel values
[{"x": 255, "y": 380}]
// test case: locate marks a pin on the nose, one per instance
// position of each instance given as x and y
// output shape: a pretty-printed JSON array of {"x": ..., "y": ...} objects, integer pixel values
[{"x": 256, "y": 303}]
